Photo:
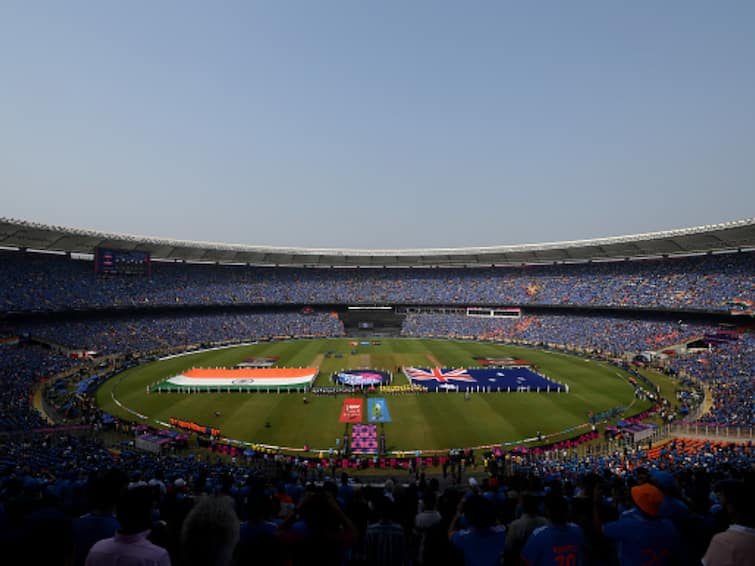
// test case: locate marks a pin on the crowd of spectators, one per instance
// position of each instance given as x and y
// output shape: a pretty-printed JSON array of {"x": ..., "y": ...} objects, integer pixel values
[
  {"x": 43, "y": 352},
  {"x": 75, "y": 494},
  {"x": 728, "y": 369},
  {"x": 728, "y": 366},
  {"x": 37, "y": 282},
  {"x": 730, "y": 358},
  {"x": 65, "y": 490},
  {"x": 21, "y": 368},
  {"x": 150, "y": 333},
  {"x": 85, "y": 501},
  {"x": 733, "y": 403},
  {"x": 608, "y": 335}
]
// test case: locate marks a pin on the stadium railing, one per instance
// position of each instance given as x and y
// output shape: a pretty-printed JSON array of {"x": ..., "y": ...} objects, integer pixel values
[{"x": 710, "y": 431}]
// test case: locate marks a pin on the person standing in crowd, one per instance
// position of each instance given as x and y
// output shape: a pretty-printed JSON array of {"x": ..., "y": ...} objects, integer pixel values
[
  {"x": 100, "y": 522},
  {"x": 257, "y": 540},
  {"x": 130, "y": 545},
  {"x": 385, "y": 542},
  {"x": 210, "y": 533},
  {"x": 520, "y": 529},
  {"x": 426, "y": 520},
  {"x": 558, "y": 542},
  {"x": 642, "y": 537},
  {"x": 736, "y": 545},
  {"x": 319, "y": 528},
  {"x": 483, "y": 542}
]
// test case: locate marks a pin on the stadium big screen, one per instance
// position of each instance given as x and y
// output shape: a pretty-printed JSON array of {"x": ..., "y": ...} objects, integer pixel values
[{"x": 121, "y": 262}]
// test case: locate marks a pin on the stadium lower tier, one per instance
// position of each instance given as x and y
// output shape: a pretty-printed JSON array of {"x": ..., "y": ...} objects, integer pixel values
[
  {"x": 53, "y": 490},
  {"x": 727, "y": 364},
  {"x": 58, "y": 469}
]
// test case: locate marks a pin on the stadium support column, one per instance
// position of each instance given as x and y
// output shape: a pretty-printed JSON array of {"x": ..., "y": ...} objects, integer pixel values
[{"x": 346, "y": 442}]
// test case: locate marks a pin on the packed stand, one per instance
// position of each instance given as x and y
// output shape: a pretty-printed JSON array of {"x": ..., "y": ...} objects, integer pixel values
[
  {"x": 21, "y": 367},
  {"x": 38, "y": 282},
  {"x": 734, "y": 357},
  {"x": 728, "y": 369},
  {"x": 152, "y": 333},
  {"x": 91, "y": 506},
  {"x": 733, "y": 403},
  {"x": 614, "y": 336}
]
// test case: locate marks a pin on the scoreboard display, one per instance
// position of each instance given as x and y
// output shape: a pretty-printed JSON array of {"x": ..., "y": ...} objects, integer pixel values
[{"x": 109, "y": 261}]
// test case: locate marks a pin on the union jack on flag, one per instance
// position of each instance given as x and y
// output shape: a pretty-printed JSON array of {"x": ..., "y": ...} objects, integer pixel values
[{"x": 441, "y": 375}]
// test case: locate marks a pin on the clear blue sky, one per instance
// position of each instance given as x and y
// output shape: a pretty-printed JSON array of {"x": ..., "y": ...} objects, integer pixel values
[{"x": 385, "y": 124}]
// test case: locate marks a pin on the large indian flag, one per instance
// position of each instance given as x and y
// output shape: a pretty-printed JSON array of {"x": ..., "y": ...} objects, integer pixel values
[{"x": 240, "y": 379}]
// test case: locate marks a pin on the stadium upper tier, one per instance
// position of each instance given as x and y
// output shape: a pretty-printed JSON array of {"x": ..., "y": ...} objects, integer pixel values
[
  {"x": 728, "y": 236},
  {"x": 33, "y": 282}
]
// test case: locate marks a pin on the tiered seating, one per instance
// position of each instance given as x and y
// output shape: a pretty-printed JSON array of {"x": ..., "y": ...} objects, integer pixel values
[{"x": 53, "y": 283}]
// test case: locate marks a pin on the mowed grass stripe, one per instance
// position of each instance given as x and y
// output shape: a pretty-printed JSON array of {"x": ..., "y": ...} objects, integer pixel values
[{"x": 425, "y": 421}]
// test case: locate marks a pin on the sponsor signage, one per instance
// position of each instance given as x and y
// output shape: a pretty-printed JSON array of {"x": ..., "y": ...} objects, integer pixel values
[
  {"x": 491, "y": 361},
  {"x": 265, "y": 362},
  {"x": 362, "y": 377},
  {"x": 352, "y": 410},
  {"x": 377, "y": 410}
]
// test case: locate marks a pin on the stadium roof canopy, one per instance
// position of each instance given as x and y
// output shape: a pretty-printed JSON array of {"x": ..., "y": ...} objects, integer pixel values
[{"x": 730, "y": 236}]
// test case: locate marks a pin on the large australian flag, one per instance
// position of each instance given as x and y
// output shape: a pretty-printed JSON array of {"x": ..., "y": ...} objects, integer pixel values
[{"x": 487, "y": 379}]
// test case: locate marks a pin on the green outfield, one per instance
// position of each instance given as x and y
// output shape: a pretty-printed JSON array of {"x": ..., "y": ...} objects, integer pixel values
[{"x": 420, "y": 421}]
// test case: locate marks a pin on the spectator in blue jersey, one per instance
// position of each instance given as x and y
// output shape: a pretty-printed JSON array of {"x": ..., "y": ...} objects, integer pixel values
[
  {"x": 100, "y": 523},
  {"x": 257, "y": 540},
  {"x": 643, "y": 537},
  {"x": 345, "y": 491},
  {"x": 483, "y": 542},
  {"x": 557, "y": 543},
  {"x": 673, "y": 507}
]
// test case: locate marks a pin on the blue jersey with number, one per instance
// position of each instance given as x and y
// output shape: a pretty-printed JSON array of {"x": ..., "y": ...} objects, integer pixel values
[
  {"x": 555, "y": 545},
  {"x": 642, "y": 541},
  {"x": 481, "y": 547}
]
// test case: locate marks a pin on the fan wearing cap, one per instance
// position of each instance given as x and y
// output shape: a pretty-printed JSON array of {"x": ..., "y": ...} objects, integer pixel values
[{"x": 644, "y": 537}]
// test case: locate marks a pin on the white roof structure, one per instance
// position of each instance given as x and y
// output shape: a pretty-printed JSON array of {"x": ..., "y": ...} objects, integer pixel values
[{"x": 729, "y": 236}]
